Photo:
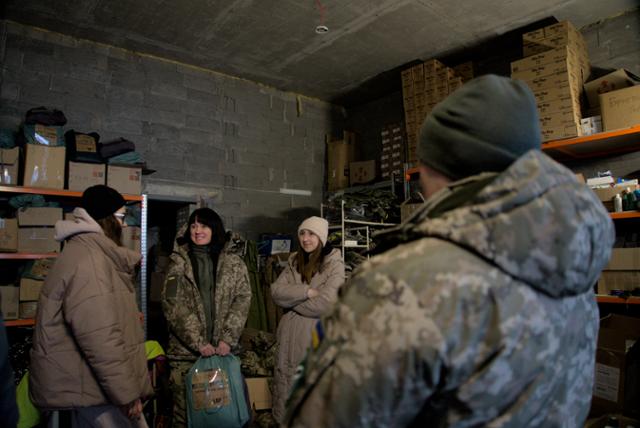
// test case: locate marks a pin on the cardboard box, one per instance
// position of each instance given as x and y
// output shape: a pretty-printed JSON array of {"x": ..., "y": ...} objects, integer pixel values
[
  {"x": 556, "y": 81},
  {"x": 624, "y": 259},
  {"x": 9, "y": 302},
  {"x": 44, "y": 166},
  {"x": 617, "y": 376},
  {"x": 125, "y": 179},
  {"x": 9, "y": 160},
  {"x": 618, "y": 280},
  {"x": 131, "y": 238},
  {"x": 544, "y": 58},
  {"x": 37, "y": 240},
  {"x": 560, "y": 118},
  {"x": 30, "y": 289},
  {"x": 569, "y": 130},
  {"x": 84, "y": 175},
  {"x": 621, "y": 108},
  {"x": 619, "y": 79},
  {"x": 362, "y": 172},
  {"x": 8, "y": 235},
  {"x": 259, "y": 392},
  {"x": 39, "y": 216},
  {"x": 591, "y": 125},
  {"x": 28, "y": 309},
  {"x": 339, "y": 154}
]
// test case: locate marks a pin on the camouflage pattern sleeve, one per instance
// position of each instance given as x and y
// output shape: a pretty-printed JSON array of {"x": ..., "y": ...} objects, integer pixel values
[
  {"x": 181, "y": 313},
  {"x": 320, "y": 305},
  {"x": 239, "y": 310},
  {"x": 288, "y": 290},
  {"x": 368, "y": 370}
]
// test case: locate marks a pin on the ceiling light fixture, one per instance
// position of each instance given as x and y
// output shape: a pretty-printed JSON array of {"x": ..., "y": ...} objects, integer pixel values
[{"x": 321, "y": 29}]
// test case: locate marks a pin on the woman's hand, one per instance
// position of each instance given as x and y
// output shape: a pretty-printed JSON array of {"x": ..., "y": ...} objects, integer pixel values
[
  {"x": 207, "y": 350},
  {"x": 223, "y": 348},
  {"x": 312, "y": 292}
]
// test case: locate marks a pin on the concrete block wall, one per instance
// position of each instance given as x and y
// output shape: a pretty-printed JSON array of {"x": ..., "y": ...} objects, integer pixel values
[{"x": 199, "y": 129}]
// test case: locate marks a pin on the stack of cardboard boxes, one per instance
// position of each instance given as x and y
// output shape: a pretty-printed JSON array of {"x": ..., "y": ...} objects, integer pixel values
[
  {"x": 424, "y": 86},
  {"x": 393, "y": 151},
  {"x": 555, "y": 66}
]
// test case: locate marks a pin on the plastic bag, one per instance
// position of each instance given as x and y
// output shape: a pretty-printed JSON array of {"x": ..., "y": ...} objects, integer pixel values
[{"x": 215, "y": 393}]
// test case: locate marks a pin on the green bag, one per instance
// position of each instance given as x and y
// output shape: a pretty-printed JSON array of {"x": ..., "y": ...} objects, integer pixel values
[{"x": 215, "y": 393}]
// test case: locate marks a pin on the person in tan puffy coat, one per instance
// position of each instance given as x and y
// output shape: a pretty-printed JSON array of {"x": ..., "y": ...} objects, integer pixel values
[
  {"x": 307, "y": 289},
  {"x": 88, "y": 353}
]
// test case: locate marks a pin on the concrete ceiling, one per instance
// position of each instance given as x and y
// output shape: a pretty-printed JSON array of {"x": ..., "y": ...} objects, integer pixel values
[{"x": 274, "y": 42}]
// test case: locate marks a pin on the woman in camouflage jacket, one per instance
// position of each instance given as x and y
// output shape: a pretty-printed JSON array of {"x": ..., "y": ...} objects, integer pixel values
[{"x": 205, "y": 299}]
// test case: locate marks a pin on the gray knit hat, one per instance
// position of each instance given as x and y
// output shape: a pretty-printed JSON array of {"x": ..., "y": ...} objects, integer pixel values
[{"x": 482, "y": 127}]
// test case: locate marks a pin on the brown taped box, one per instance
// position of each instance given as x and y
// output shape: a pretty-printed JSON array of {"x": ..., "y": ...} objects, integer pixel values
[
  {"x": 9, "y": 235},
  {"x": 125, "y": 179},
  {"x": 44, "y": 166},
  {"x": 624, "y": 259},
  {"x": 9, "y": 302},
  {"x": 568, "y": 63},
  {"x": 339, "y": 154},
  {"x": 619, "y": 79},
  {"x": 39, "y": 216},
  {"x": 9, "y": 160},
  {"x": 37, "y": 240},
  {"x": 617, "y": 376},
  {"x": 625, "y": 280},
  {"x": 621, "y": 108},
  {"x": 259, "y": 392},
  {"x": 30, "y": 289},
  {"x": 561, "y": 132},
  {"x": 83, "y": 175}
]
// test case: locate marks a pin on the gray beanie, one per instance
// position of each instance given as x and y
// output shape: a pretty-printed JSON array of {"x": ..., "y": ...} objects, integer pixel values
[{"x": 482, "y": 127}]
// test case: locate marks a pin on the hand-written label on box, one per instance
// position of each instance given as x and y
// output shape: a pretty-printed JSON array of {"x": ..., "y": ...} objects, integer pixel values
[
  {"x": 606, "y": 382},
  {"x": 210, "y": 389},
  {"x": 85, "y": 143}
]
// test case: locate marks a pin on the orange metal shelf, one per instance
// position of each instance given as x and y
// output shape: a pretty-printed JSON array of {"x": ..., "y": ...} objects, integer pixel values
[
  {"x": 20, "y": 323},
  {"x": 601, "y": 144},
  {"x": 618, "y": 300},
  {"x": 28, "y": 256},
  {"x": 56, "y": 192},
  {"x": 625, "y": 214},
  {"x": 410, "y": 171}
]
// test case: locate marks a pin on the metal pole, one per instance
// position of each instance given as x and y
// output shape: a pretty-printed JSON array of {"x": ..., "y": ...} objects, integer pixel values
[{"x": 143, "y": 262}]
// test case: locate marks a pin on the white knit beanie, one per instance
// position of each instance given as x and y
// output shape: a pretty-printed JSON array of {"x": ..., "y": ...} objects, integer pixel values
[{"x": 318, "y": 226}]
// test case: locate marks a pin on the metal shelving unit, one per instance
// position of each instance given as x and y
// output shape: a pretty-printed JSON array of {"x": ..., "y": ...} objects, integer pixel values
[
  {"x": 350, "y": 224},
  {"x": 69, "y": 194}
]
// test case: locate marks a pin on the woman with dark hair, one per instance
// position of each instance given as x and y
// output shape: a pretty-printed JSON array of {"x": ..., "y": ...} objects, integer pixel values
[
  {"x": 205, "y": 299},
  {"x": 88, "y": 360},
  {"x": 307, "y": 289}
]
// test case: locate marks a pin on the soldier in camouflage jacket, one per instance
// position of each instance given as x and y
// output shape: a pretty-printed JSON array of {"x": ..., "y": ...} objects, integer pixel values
[
  {"x": 184, "y": 308},
  {"x": 481, "y": 310}
]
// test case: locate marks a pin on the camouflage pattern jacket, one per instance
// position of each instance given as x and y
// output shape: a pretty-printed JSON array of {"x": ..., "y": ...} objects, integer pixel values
[
  {"x": 184, "y": 310},
  {"x": 483, "y": 315}
]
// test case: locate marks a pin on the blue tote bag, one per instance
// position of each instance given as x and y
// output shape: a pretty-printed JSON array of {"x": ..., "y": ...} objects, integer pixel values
[{"x": 215, "y": 393}]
